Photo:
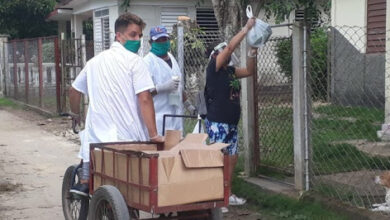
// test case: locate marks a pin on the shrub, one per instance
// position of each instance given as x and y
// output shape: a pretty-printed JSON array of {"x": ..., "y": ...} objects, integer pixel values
[{"x": 319, "y": 75}]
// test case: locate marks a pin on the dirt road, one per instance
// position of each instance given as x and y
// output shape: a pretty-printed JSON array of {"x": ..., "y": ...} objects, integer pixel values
[
  {"x": 32, "y": 162},
  {"x": 34, "y": 153}
]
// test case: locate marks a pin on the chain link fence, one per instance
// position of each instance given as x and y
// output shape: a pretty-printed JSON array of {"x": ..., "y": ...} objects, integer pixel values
[
  {"x": 31, "y": 72},
  {"x": 348, "y": 98},
  {"x": 275, "y": 113},
  {"x": 195, "y": 45}
]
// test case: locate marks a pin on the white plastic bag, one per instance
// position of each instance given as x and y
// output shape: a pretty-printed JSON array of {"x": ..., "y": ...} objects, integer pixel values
[{"x": 260, "y": 32}]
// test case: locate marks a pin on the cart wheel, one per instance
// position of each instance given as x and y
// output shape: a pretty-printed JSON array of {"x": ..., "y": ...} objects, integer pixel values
[
  {"x": 74, "y": 208},
  {"x": 108, "y": 203},
  {"x": 216, "y": 214}
]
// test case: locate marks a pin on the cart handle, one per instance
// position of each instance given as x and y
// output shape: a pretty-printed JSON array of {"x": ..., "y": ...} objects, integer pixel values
[{"x": 180, "y": 116}]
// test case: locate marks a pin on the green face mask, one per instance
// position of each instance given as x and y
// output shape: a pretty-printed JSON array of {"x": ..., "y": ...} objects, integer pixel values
[
  {"x": 160, "y": 48},
  {"x": 132, "y": 45}
]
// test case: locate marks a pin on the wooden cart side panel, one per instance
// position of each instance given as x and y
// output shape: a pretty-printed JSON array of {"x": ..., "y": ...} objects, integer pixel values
[
  {"x": 153, "y": 177},
  {"x": 129, "y": 172}
]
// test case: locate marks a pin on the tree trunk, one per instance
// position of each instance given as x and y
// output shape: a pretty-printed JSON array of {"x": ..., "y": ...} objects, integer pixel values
[
  {"x": 227, "y": 13},
  {"x": 231, "y": 16}
]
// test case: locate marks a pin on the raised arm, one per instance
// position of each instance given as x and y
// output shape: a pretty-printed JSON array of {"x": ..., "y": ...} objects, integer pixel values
[
  {"x": 250, "y": 65},
  {"x": 233, "y": 44}
]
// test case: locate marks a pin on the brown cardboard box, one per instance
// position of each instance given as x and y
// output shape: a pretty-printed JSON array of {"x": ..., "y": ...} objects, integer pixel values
[
  {"x": 189, "y": 172},
  {"x": 172, "y": 138}
]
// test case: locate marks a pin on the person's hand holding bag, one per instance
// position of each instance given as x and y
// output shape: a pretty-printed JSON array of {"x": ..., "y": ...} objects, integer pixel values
[
  {"x": 249, "y": 24},
  {"x": 260, "y": 33}
]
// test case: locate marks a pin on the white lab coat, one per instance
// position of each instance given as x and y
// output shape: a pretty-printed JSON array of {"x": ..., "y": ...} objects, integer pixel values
[
  {"x": 161, "y": 72},
  {"x": 112, "y": 81}
]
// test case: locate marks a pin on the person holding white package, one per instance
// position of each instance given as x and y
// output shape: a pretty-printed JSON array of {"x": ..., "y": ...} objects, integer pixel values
[{"x": 168, "y": 94}]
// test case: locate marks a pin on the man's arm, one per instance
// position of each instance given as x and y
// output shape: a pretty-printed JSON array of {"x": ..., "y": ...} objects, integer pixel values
[
  {"x": 74, "y": 100},
  {"x": 145, "y": 101}
]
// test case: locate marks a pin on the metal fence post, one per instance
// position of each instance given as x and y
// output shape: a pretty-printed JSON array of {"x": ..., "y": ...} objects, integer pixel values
[
  {"x": 62, "y": 78},
  {"x": 300, "y": 106},
  {"x": 3, "y": 63},
  {"x": 6, "y": 67},
  {"x": 83, "y": 63},
  {"x": 40, "y": 71},
  {"x": 384, "y": 133},
  {"x": 180, "y": 46},
  {"x": 83, "y": 51},
  {"x": 15, "y": 71},
  {"x": 26, "y": 75},
  {"x": 58, "y": 73}
]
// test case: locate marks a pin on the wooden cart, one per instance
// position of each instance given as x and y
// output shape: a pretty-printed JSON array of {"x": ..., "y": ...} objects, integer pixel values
[
  {"x": 110, "y": 198},
  {"x": 122, "y": 198}
]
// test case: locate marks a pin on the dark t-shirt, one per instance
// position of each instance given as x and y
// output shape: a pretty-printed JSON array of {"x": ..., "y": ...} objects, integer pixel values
[{"x": 222, "y": 94}]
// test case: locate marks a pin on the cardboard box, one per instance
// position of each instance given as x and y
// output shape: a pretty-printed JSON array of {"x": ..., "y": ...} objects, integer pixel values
[{"x": 188, "y": 172}]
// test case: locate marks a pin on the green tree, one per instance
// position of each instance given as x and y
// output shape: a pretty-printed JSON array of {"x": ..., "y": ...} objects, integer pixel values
[
  {"x": 281, "y": 9},
  {"x": 26, "y": 18},
  {"x": 231, "y": 15},
  {"x": 319, "y": 44}
]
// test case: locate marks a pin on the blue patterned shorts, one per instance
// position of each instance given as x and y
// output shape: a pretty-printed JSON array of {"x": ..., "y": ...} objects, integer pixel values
[{"x": 223, "y": 133}]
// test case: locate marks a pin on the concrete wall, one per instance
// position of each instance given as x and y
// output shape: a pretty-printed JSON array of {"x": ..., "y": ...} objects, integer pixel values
[
  {"x": 352, "y": 13},
  {"x": 357, "y": 78}
]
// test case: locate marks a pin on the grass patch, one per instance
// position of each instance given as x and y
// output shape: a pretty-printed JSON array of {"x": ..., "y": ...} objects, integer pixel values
[
  {"x": 345, "y": 158},
  {"x": 362, "y": 113},
  {"x": 331, "y": 126},
  {"x": 276, "y": 136},
  {"x": 4, "y": 102},
  {"x": 281, "y": 207},
  {"x": 343, "y": 193}
]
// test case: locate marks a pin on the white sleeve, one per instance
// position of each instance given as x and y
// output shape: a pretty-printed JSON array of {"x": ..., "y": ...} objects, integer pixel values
[
  {"x": 149, "y": 64},
  {"x": 141, "y": 77},
  {"x": 80, "y": 83}
]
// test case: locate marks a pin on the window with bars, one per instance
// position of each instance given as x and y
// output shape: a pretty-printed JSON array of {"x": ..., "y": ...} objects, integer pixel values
[
  {"x": 169, "y": 16},
  {"x": 376, "y": 26},
  {"x": 101, "y": 30},
  {"x": 206, "y": 20}
]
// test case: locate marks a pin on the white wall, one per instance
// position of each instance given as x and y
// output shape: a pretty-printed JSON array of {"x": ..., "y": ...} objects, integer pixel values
[
  {"x": 77, "y": 26},
  {"x": 349, "y": 12},
  {"x": 62, "y": 28},
  {"x": 350, "y": 18},
  {"x": 91, "y": 5},
  {"x": 114, "y": 14},
  {"x": 150, "y": 10}
]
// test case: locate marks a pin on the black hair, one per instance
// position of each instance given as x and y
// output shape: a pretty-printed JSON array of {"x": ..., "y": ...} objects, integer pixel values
[{"x": 210, "y": 47}]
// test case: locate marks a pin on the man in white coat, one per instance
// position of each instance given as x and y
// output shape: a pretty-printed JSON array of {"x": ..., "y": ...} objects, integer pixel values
[
  {"x": 118, "y": 85},
  {"x": 168, "y": 93}
]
